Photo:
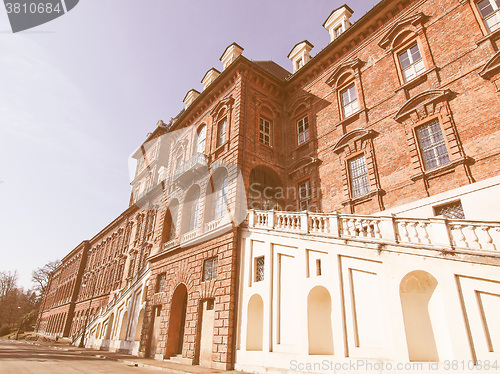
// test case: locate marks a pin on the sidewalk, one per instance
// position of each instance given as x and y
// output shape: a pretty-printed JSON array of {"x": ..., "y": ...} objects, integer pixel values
[{"x": 166, "y": 366}]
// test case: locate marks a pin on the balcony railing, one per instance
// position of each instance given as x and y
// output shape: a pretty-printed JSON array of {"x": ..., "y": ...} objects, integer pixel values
[
  {"x": 451, "y": 234},
  {"x": 195, "y": 165}
]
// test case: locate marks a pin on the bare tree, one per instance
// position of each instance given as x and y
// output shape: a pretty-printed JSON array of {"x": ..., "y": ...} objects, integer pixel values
[
  {"x": 40, "y": 276},
  {"x": 8, "y": 281}
]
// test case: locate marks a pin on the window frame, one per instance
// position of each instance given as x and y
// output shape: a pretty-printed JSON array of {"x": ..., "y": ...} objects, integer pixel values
[
  {"x": 199, "y": 140},
  {"x": 308, "y": 199},
  {"x": 306, "y": 132},
  {"x": 406, "y": 48},
  {"x": 213, "y": 271},
  {"x": 220, "y": 142},
  {"x": 421, "y": 150},
  {"x": 437, "y": 208},
  {"x": 257, "y": 277},
  {"x": 346, "y": 87},
  {"x": 366, "y": 176},
  {"x": 264, "y": 133},
  {"x": 159, "y": 287},
  {"x": 495, "y": 13}
]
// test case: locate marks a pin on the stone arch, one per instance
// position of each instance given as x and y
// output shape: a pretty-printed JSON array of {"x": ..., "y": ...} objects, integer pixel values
[
  {"x": 138, "y": 328},
  {"x": 416, "y": 290},
  {"x": 255, "y": 323},
  {"x": 177, "y": 320},
  {"x": 123, "y": 327},
  {"x": 319, "y": 321}
]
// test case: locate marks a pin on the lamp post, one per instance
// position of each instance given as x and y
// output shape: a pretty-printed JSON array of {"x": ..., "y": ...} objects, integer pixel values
[
  {"x": 20, "y": 324},
  {"x": 82, "y": 340}
]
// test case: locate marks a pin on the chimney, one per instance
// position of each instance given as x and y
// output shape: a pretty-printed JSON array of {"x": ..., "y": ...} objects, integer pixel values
[
  {"x": 338, "y": 21},
  {"x": 230, "y": 54},
  {"x": 190, "y": 97},
  {"x": 209, "y": 77},
  {"x": 300, "y": 54}
]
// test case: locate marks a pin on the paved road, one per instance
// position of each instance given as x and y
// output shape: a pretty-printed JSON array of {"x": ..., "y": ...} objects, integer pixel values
[{"x": 18, "y": 357}]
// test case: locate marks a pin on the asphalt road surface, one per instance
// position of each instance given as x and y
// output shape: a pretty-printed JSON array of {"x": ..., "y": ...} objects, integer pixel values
[{"x": 18, "y": 357}]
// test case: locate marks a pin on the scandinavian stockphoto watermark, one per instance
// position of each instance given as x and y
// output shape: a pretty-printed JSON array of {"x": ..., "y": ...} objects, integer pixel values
[
  {"x": 383, "y": 366},
  {"x": 26, "y": 14}
]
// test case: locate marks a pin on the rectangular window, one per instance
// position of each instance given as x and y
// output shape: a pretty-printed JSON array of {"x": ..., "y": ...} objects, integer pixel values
[
  {"x": 339, "y": 30},
  {"x": 349, "y": 99},
  {"x": 453, "y": 210},
  {"x": 359, "y": 176},
  {"x": 300, "y": 63},
  {"x": 221, "y": 132},
  {"x": 432, "y": 145},
  {"x": 318, "y": 267},
  {"x": 411, "y": 62},
  {"x": 490, "y": 12},
  {"x": 259, "y": 269},
  {"x": 265, "y": 131},
  {"x": 160, "y": 282},
  {"x": 303, "y": 130},
  {"x": 210, "y": 269},
  {"x": 305, "y": 195}
]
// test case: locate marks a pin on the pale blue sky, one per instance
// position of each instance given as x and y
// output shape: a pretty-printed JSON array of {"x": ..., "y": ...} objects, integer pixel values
[{"x": 79, "y": 94}]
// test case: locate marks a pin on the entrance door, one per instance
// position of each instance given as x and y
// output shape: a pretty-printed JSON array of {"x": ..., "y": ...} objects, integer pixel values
[
  {"x": 177, "y": 321},
  {"x": 207, "y": 332},
  {"x": 155, "y": 329}
]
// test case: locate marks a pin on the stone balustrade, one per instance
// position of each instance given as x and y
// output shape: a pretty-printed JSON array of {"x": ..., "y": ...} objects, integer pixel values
[{"x": 435, "y": 232}]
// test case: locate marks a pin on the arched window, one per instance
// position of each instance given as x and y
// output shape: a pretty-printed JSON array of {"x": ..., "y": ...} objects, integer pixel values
[
  {"x": 201, "y": 139},
  {"x": 217, "y": 195},
  {"x": 190, "y": 210}
]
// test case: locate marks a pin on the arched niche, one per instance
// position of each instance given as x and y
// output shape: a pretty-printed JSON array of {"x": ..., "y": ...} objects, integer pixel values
[
  {"x": 416, "y": 290},
  {"x": 138, "y": 328},
  {"x": 123, "y": 327},
  {"x": 319, "y": 321},
  {"x": 255, "y": 323}
]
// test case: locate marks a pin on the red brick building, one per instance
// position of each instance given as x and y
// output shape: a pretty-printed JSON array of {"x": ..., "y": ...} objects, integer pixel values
[{"x": 397, "y": 114}]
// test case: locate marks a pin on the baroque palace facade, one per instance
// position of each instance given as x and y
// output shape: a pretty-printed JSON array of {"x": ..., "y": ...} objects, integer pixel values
[{"x": 300, "y": 221}]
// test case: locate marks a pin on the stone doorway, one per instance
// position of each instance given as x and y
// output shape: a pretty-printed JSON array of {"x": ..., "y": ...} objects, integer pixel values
[
  {"x": 177, "y": 321},
  {"x": 155, "y": 332}
]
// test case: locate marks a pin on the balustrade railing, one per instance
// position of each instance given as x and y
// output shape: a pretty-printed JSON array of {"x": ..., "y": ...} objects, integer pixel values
[{"x": 435, "y": 232}]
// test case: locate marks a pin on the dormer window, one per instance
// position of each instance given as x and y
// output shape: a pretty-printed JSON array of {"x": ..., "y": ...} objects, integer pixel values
[
  {"x": 300, "y": 54},
  {"x": 338, "y": 21}
]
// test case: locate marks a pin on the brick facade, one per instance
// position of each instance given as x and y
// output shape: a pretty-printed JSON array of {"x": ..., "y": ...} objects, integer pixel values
[{"x": 307, "y": 160}]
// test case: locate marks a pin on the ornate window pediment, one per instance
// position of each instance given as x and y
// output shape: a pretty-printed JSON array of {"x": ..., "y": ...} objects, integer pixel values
[
  {"x": 420, "y": 101},
  {"x": 351, "y": 66},
  {"x": 411, "y": 23},
  {"x": 492, "y": 66},
  {"x": 352, "y": 137},
  {"x": 224, "y": 103}
]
